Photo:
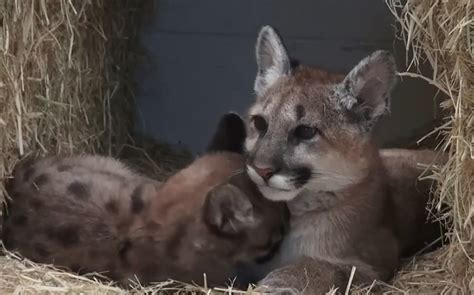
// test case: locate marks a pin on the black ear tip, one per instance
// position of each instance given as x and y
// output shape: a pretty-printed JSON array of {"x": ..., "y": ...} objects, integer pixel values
[
  {"x": 231, "y": 116},
  {"x": 230, "y": 134},
  {"x": 232, "y": 121},
  {"x": 234, "y": 124}
]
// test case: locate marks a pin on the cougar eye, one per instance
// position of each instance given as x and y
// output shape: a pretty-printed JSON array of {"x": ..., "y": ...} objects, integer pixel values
[
  {"x": 260, "y": 123},
  {"x": 305, "y": 132}
]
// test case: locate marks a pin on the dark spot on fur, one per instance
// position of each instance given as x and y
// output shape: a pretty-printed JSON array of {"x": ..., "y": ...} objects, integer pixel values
[
  {"x": 41, "y": 180},
  {"x": 303, "y": 175},
  {"x": 28, "y": 173},
  {"x": 300, "y": 112},
  {"x": 62, "y": 168},
  {"x": 125, "y": 246},
  {"x": 19, "y": 220},
  {"x": 66, "y": 235},
  {"x": 41, "y": 250},
  {"x": 112, "y": 207},
  {"x": 174, "y": 243},
  {"x": 332, "y": 194},
  {"x": 137, "y": 204},
  {"x": 36, "y": 203},
  {"x": 79, "y": 190}
]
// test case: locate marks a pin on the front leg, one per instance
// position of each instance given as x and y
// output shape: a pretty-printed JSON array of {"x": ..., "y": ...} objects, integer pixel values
[{"x": 309, "y": 276}]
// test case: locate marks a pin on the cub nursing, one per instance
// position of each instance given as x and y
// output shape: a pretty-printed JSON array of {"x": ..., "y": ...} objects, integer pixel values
[{"x": 93, "y": 214}]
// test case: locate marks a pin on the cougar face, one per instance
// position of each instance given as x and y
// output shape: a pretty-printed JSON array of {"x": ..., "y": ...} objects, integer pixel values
[{"x": 311, "y": 129}]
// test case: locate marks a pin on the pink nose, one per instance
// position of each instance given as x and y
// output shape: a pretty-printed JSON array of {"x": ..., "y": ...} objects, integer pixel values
[{"x": 265, "y": 173}]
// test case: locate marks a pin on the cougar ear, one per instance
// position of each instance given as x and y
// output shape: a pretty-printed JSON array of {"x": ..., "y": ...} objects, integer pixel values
[
  {"x": 366, "y": 89},
  {"x": 229, "y": 211},
  {"x": 229, "y": 135},
  {"x": 272, "y": 59}
]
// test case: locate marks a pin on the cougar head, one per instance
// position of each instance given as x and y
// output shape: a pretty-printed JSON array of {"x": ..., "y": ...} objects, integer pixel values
[{"x": 311, "y": 129}]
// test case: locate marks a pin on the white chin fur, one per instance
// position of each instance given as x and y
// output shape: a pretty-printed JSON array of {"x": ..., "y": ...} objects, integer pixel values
[
  {"x": 281, "y": 182},
  {"x": 278, "y": 195},
  {"x": 279, "y": 187}
]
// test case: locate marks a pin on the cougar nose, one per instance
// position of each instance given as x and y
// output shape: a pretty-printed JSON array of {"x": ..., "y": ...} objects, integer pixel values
[{"x": 265, "y": 173}]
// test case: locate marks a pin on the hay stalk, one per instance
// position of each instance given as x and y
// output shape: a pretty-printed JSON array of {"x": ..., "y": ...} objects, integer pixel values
[{"x": 440, "y": 33}]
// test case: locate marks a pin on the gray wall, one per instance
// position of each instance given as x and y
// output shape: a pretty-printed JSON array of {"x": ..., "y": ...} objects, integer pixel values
[{"x": 202, "y": 64}]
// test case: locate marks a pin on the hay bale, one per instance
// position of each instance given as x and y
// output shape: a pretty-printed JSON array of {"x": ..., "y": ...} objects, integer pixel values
[
  {"x": 441, "y": 33},
  {"x": 65, "y": 70},
  {"x": 63, "y": 67},
  {"x": 21, "y": 276}
]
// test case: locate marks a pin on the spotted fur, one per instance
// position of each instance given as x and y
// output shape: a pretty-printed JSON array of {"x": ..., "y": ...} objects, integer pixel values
[{"x": 92, "y": 213}]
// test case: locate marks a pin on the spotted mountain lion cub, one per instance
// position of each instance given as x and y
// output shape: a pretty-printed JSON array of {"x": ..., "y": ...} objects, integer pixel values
[
  {"x": 93, "y": 214},
  {"x": 309, "y": 143}
]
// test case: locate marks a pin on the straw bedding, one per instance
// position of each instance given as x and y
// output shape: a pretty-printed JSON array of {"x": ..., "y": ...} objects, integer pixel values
[
  {"x": 65, "y": 88},
  {"x": 65, "y": 70},
  {"x": 441, "y": 34},
  {"x": 61, "y": 79}
]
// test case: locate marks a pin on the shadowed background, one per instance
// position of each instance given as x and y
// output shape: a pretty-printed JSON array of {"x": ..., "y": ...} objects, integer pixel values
[{"x": 201, "y": 61}]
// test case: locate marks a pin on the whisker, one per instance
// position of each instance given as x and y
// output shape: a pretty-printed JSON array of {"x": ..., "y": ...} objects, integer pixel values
[
  {"x": 322, "y": 175},
  {"x": 332, "y": 174},
  {"x": 237, "y": 172}
]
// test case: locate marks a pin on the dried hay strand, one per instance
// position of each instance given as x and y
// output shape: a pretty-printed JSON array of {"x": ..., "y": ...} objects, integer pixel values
[
  {"x": 22, "y": 276},
  {"x": 441, "y": 33},
  {"x": 63, "y": 69},
  {"x": 142, "y": 155},
  {"x": 65, "y": 89}
]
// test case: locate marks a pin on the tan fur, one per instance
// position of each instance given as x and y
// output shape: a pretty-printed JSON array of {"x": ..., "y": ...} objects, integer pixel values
[
  {"x": 92, "y": 213},
  {"x": 348, "y": 205},
  {"x": 324, "y": 252}
]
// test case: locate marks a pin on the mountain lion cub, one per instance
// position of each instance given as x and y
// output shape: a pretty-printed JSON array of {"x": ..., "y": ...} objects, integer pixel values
[
  {"x": 93, "y": 214},
  {"x": 309, "y": 143}
]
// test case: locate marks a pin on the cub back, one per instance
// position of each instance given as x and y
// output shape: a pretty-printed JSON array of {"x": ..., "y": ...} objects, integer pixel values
[{"x": 93, "y": 214}]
